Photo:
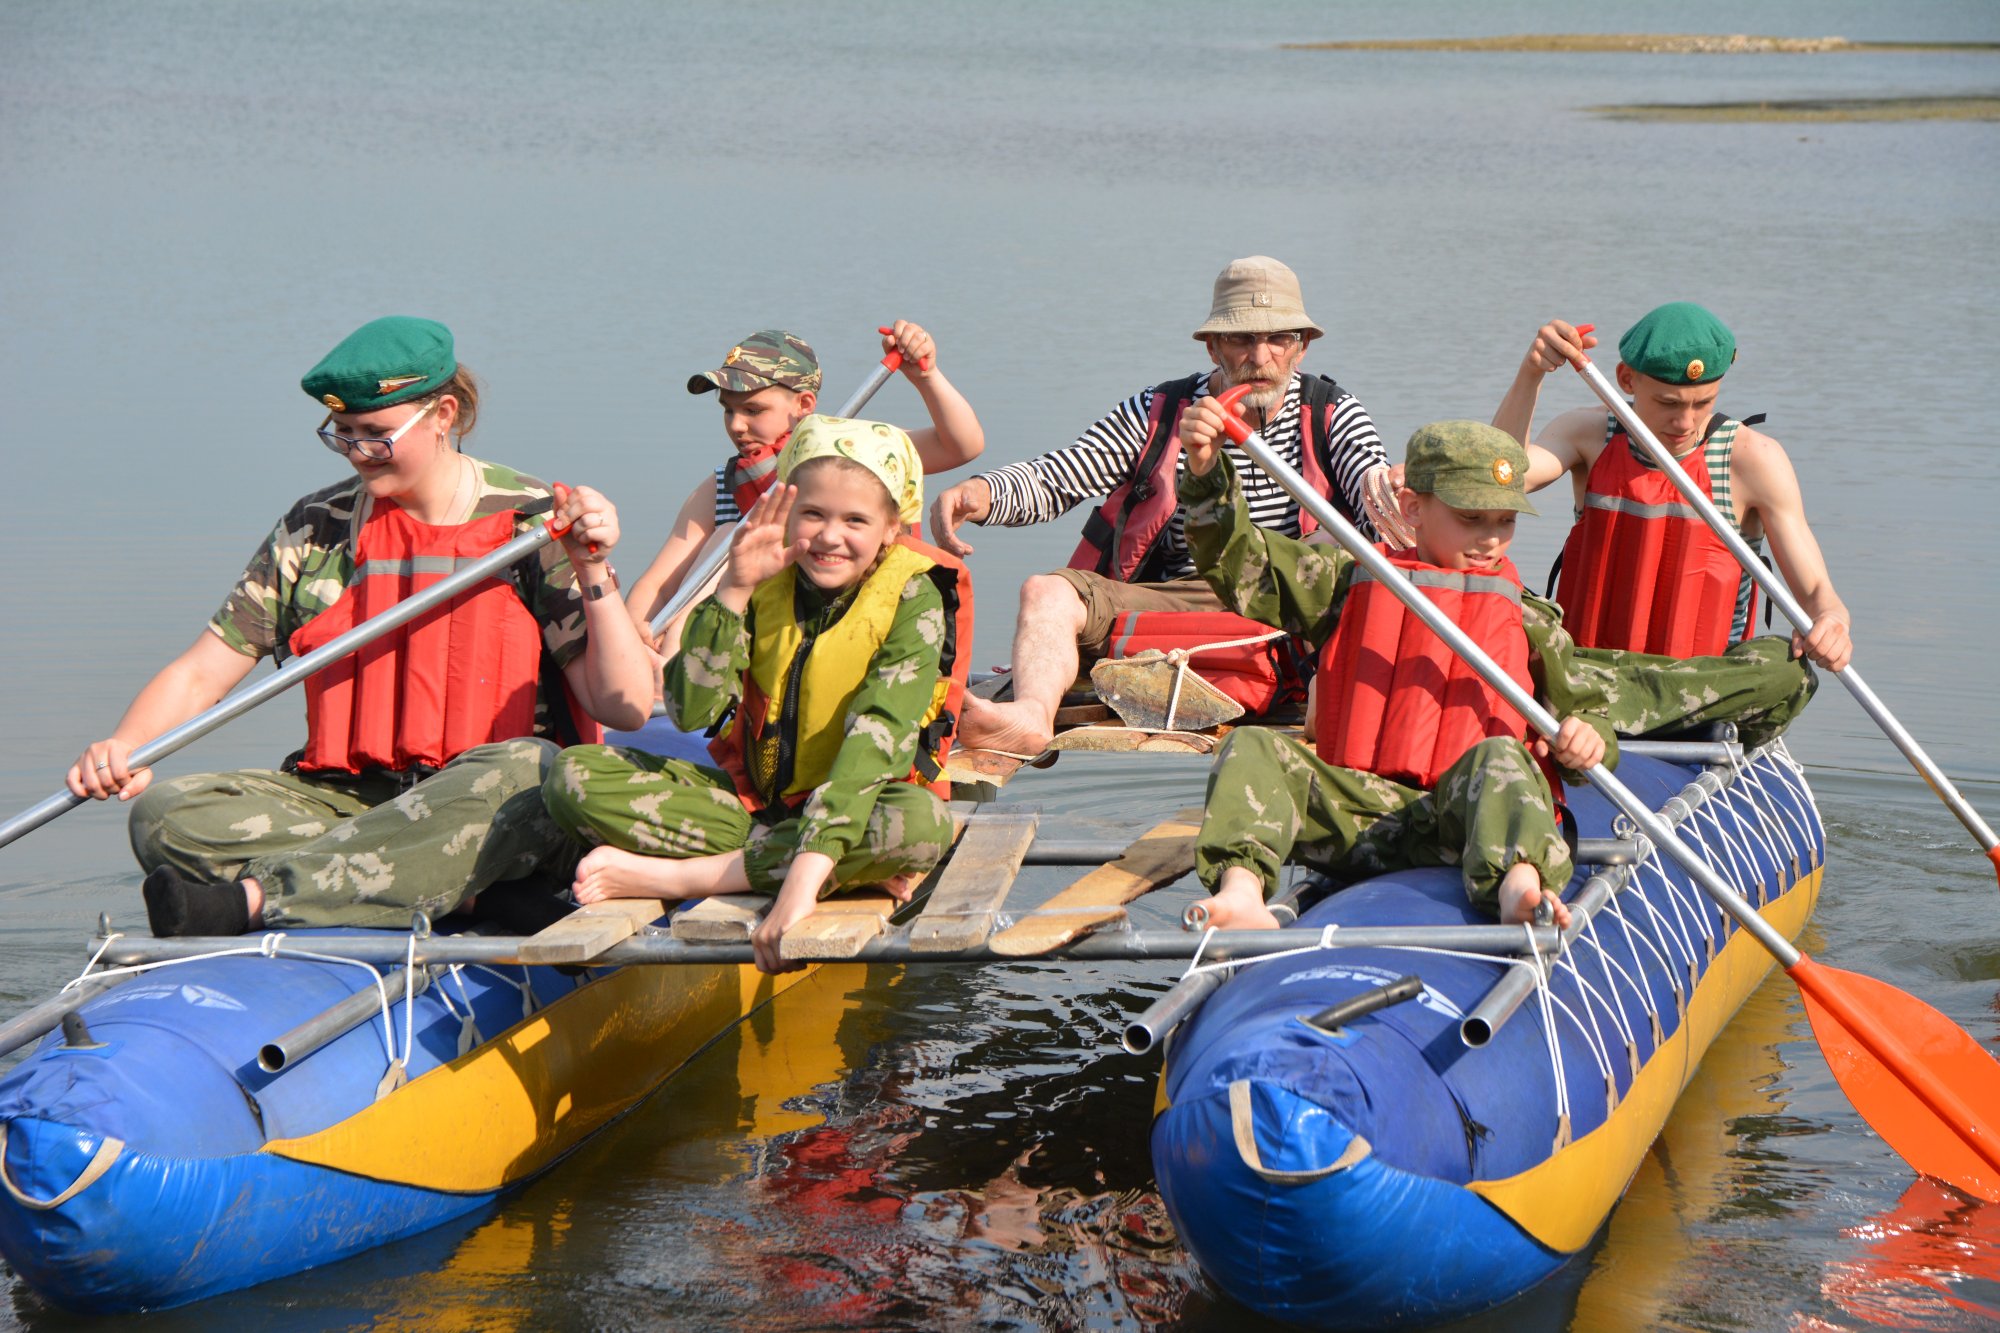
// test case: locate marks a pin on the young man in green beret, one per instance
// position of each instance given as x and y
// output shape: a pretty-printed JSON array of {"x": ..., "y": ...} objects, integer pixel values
[
  {"x": 1648, "y": 591},
  {"x": 767, "y": 384},
  {"x": 1417, "y": 762}
]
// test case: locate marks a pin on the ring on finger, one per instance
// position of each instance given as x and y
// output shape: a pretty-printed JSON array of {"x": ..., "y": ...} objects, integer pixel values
[{"x": 104, "y": 764}]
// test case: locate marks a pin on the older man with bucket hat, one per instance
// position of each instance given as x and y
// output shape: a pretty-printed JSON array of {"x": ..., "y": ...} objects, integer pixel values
[{"x": 1133, "y": 556}]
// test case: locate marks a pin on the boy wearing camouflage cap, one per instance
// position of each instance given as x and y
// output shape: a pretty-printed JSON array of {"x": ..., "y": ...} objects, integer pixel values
[
  {"x": 1653, "y": 598},
  {"x": 1417, "y": 761},
  {"x": 767, "y": 384}
]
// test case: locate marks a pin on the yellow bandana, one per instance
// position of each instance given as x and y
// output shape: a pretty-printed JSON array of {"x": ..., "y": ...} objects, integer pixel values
[{"x": 883, "y": 449}]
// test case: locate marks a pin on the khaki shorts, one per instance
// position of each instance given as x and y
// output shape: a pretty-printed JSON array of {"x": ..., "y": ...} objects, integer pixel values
[{"x": 1105, "y": 599}]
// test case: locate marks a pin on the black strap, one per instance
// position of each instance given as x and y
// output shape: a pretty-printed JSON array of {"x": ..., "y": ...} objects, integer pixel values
[
  {"x": 1554, "y": 570},
  {"x": 1168, "y": 400}
]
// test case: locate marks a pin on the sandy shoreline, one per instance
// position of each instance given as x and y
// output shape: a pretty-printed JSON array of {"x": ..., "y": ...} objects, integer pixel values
[
  {"x": 1815, "y": 110},
  {"x": 1651, "y": 43}
]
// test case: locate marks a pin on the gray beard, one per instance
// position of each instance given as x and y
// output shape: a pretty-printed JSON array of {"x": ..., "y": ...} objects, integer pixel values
[{"x": 1265, "y": 400}]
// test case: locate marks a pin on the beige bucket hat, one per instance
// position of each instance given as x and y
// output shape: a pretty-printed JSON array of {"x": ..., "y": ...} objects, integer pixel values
[{"x": 1257, "y": 295}]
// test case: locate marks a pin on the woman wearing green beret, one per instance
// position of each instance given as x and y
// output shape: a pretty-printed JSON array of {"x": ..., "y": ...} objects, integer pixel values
[{"x": 419, "y": 781}]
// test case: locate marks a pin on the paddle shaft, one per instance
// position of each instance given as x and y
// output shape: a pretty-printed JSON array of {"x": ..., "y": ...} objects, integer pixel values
[
  {"x": 698, "y": 576},
  {"x": 1781, "y": 597},
  {"x": 293, "y": 672}
]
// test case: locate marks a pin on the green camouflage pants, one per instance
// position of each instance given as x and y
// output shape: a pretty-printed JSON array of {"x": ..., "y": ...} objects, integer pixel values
[
  {"x": 1756, "y": 684},
  {"x": 657, "y": 806},
  {"x": 341, "y": 850},
  {"x": 1272, "y": 800}
]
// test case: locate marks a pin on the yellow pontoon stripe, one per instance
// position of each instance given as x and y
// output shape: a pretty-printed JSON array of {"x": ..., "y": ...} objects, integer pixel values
[
  {"x": 505, "y": 1110},
  {"x": 1562, "y": 1202}
]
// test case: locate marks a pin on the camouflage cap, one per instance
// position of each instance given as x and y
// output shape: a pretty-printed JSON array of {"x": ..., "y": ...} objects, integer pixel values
[
  {"x": 384, "y": 362},
  {"x": 1680, "y": 343},
  {"x": 1468, "y": 465},
  {"x": 885, "y": 450},
  {"x": 767, "y": 358}
]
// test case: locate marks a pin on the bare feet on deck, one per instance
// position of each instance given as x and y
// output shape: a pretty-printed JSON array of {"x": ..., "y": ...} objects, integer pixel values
[
  {"x": 1238, "y": 903},
  {"x": 608, "y": 872},
  {"x": 1521, "y": 892},
  {"x": 903, "y": 887},
  {"x": 1013, "y": 727}
]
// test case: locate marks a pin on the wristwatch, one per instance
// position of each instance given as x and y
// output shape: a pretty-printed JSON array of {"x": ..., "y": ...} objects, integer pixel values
[{"x": 595, "y": 592}]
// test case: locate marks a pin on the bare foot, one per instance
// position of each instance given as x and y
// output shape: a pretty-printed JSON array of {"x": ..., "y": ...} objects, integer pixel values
[
  {"x": 1238, "y": 903},
  {"x": 1014, "y": 727},
  {"x": 608, "y": 872},
  {"x": 1521, "y": 892},
  {"x": 902, "y": 887}
]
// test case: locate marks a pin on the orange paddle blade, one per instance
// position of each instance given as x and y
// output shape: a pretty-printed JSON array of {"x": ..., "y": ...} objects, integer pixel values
[{"x": 1920, "y": 1080}]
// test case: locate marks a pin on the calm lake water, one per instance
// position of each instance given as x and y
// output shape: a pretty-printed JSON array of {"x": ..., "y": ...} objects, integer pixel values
[{"x": 198, "y": 197}]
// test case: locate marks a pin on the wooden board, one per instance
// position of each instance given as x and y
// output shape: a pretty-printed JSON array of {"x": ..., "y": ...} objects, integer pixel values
[
  {"x": 590, "y": 930},
  {"x": 727, "y": 918},
  {"x": 970, "y": 767},
  {"x": 840, "y": 926},
  {"x": 1161, "y": 855},
  {"x": 1120, "y": 739},
  {"x": 975, "y": 883}
]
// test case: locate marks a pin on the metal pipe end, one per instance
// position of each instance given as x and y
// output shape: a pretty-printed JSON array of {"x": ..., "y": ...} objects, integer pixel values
[
  {"x": 1475, "y": 1031},
  {"x": 271, "y": 1057},
  {"x": 1139, "y": 1038}
]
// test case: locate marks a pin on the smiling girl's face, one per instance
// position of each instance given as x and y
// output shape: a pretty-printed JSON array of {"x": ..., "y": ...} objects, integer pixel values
[{"x": 845, "y": 517}]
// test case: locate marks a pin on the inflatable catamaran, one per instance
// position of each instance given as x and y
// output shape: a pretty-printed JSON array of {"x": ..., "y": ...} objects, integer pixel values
[{"x": 233, "y": 1111}]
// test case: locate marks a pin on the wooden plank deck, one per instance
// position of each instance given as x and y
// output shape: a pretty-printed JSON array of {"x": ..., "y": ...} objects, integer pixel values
[
  {"x": 975, "y": 883},
  {"x": 1159, "y": 856}
]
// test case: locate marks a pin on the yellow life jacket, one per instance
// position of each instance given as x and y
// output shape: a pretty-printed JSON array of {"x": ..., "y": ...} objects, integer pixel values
[{"x": 792, "y": 718}]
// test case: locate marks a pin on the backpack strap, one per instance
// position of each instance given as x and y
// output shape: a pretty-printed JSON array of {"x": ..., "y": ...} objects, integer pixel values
[{"x": 1317, "y": 396}]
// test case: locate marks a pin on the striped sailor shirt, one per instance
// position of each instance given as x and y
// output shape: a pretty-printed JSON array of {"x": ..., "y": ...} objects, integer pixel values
[{"x": 1104, "y": 456}]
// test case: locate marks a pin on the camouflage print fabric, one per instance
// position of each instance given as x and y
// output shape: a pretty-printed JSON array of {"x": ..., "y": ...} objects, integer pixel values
[
  {"x": 306, "y": 562},
  {"x": 767, "y": 358},
  {"x": 1300, "y": 587},
  {"x": 1271, "y": 801},
  {"x": 881, "y": 726},
  {"x": 1757, "y": 684},
  {"x": 657, "y": 806},
  {"x": 341, "y": 850}
]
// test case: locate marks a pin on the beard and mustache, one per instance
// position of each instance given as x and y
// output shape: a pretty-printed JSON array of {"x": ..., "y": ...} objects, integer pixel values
[{"x": 1263, "y": 399}]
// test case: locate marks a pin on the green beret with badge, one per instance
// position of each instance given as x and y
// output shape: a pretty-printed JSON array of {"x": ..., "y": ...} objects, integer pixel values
[
  {"x": 1468, "y": 465},
  {"x": 384, "y": 362},
  {"x": 769, "y": 358},
  {"x": 1680, "y": 343}
]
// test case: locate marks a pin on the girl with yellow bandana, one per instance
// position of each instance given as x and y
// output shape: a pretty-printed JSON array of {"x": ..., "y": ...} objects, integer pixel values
[{"x": 836, "y": 639}]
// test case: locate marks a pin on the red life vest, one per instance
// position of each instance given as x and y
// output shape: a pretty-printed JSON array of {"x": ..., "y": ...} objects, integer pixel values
[
  {"x": 1259, "y": 675},
  {"x": 818, "y": 681},
  {"x": 1393, "y": 699},
  {"x": 1640, "y": 569},
  {"x": 1121, "y": 540},
  {"x": 463, "y": 674}
]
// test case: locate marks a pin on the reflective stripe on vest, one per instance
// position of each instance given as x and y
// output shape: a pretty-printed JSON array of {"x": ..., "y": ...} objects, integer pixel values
[
  {"x": 1393, "y": 698},
  {"x": 776, "y": 758},
  {"x": 461, "y": 675},
  {"x": 1641, "y": 570}
]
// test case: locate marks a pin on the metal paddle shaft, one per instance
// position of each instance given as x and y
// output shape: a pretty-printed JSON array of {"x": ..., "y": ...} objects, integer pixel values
[
  {"x": 1781, "y": 597},
  {"x": 1938, "y": 1129},
  {"x": 699, "y": 575},
  {"x": 295, "y": 671}
]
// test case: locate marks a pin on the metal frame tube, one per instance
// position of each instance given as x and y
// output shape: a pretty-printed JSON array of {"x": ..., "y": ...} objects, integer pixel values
[
  {"x": 45, "y": 1017},
  {"x": 339, "y": 1020}
]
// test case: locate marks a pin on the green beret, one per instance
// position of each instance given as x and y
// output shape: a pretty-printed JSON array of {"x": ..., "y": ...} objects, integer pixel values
[
  {"x": 382, "y": 363},
  {"x": 1680, "y": 343},
  {"x": 1468, "y": 465}
]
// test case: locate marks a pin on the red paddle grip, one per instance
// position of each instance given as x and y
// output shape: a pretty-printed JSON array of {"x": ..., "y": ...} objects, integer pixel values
[
  {"x": 1235, "y": 426},
  {"x": 894, "y": 360},
  {"x": 560, "y": 530}
]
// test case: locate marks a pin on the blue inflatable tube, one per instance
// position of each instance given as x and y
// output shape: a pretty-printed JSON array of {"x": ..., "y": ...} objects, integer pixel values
[{"x": 1386, "y": 1174}]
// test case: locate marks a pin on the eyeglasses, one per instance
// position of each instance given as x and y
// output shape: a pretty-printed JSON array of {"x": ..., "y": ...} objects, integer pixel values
[
  {"x": 1284, "y": 340},
  {"x": 375, "y": 448}
]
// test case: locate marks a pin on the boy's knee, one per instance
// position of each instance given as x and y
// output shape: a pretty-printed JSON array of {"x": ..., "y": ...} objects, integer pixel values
[{"x": 566, "y": 785}]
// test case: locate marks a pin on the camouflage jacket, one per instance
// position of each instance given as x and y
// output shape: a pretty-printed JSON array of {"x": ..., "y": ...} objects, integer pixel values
[
  {"x": 706, "y": 676},
  {"x": 305, "y": 564},
  {"x": 1300, "y": 587}
]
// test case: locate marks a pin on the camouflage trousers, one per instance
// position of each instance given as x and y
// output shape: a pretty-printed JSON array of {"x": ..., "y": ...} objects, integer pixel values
[
  {"x": 333, "y": 849},
  {"x": 1756, "y": 684},
  {"x": 656, "y": 806},
  {"x": 1271, "y": 800}
]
